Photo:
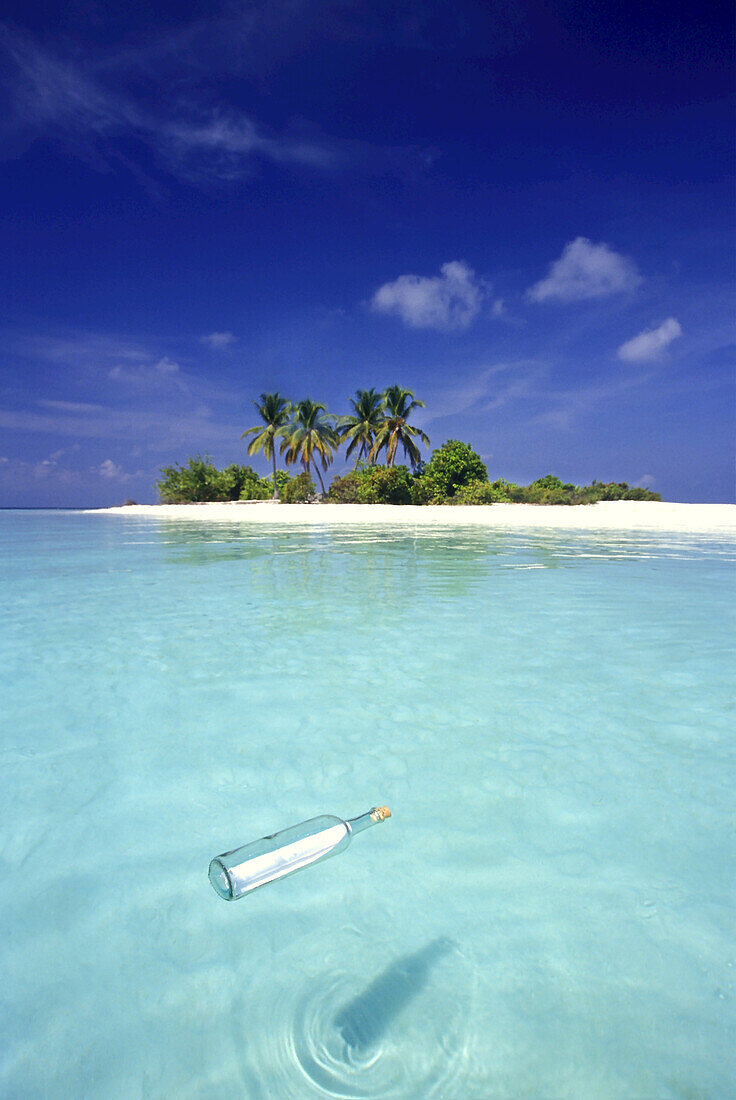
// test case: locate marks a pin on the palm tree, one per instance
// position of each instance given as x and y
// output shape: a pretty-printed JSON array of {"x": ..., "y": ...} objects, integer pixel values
[
  {"x": 398, "y": 404},
  {"x": 361, "y": 425},
  {"x": 274, "y": 411},
  {"x": 309, "y": 437}
]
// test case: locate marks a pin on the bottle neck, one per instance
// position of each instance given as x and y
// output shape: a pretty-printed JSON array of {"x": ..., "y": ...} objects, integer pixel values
[{"x": 364, "y": 821}]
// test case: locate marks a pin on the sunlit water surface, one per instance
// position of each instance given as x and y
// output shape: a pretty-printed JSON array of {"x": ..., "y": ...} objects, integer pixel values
[{"x": 549, "y": 912}]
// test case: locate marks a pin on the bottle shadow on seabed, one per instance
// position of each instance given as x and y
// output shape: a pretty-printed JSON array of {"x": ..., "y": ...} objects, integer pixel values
[{"x": 364, "y": 1020}]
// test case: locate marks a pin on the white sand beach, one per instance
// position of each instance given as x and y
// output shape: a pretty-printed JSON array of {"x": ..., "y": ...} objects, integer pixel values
[{"x": 605, "y": 515}]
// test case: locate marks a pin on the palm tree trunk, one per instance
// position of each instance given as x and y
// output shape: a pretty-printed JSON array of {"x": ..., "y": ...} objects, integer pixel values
[
  {"x": 275, "y": 489},
  {"x": 392, "y": 447},
  {"x": 308, "y": 468}
]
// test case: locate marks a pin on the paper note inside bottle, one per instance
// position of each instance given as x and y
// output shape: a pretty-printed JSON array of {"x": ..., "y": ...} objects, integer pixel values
[{"x": 237, "y": 873}]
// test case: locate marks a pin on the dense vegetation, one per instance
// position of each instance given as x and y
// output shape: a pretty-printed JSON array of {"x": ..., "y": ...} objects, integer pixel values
[
  {"x": 378, "y": 425},
  {"x": 201, "y": 481},
  {"x": 455, "y": 474}
]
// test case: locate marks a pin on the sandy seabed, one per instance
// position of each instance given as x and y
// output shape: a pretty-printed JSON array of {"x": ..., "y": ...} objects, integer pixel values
[{"x": 605, "y": 515}]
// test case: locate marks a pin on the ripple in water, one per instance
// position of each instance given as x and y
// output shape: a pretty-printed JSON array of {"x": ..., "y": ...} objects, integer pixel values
[{"x": 401, "y": 1036}]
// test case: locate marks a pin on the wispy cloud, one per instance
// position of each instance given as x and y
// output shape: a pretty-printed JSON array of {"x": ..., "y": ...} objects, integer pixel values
[
  {"x": 51, "y": 94},
  {"x": 120, "y": 359},
  {"x": 116, "y": 388},
  {"x": 217, "y": 340},
  {"x": 14, "y": 471},
  {"x": 99, "y": 105},
  {"x": 488, "y": 388},
  {"x": 565, "y": 405},
  {"x": 71, "y": 406},
  {"x": 154, "y": 371},
  {"x": 445, "y": 302},
  {"x": 170, "y": 428},
  {"x": 534, "y": 388},
  {"x": 49, "y": 90},
  {"x": 78, "y": 348},
  {"x": 223, "y": 144},
  {"x": 651, "y": 343},
  {"x": 51, "y": 480},
  {"x": 586, "y": 270}
]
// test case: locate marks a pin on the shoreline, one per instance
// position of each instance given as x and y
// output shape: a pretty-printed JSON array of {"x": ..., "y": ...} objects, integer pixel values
[{"x": 620, "y": 515}]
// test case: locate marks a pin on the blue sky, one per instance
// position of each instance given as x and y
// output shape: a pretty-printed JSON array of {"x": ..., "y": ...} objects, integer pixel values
[{"x": 522, "y": 212}]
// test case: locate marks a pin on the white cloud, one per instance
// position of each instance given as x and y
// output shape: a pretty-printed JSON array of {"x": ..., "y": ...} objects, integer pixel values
[
  {"x": 147, "y": 374},
  {"x": 498, "y": 309},
  {"x": 586, "y": 270},
  {"x": 166, "y": 366},
  {"x": 110, "y": 470},
  {"x": 216, "y": 340},
  {"x": 446, "y": 301},
  {"x": 651, "y": 343}
]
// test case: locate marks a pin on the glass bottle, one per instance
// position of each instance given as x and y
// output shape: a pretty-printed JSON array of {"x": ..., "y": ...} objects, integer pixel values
[{"x": 236, "y": 873}]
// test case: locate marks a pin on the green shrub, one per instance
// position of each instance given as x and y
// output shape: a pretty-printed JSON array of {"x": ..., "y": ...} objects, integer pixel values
[
  {"x": 620, "y": 490},
  {"x": 479, "y": 492},
  {"x": 243, "y": 483},
  {"x": 200, "y": 481},
  {"x": 345, "y": 489},
  {"x": 639, "y": 493},
  {"x": 298, "y": 490},
  {"x": 453, "y": 465},
  {"x": 504, "y": 490},
  {"x": 424, "y": 491},
  {"x": 282, "y": 480},
  {"x": 550, "y": 490},
  {"x": 385, "y": 485},
  {"x": 373, "y": 485}
]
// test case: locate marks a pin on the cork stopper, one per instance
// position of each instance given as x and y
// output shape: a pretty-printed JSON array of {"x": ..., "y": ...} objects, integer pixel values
[{"x": 380, "y": 813}]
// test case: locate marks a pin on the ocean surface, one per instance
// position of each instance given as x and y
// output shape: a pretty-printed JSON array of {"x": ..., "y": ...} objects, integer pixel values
[{"x": 550, "y": 912}]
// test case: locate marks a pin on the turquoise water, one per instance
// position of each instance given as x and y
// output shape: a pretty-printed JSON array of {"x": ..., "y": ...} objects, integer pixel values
[{"x": 549, "y": 912}]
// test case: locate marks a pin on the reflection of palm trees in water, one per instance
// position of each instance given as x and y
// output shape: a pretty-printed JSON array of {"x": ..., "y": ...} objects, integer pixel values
[{"x": 362, "y": 1021}]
